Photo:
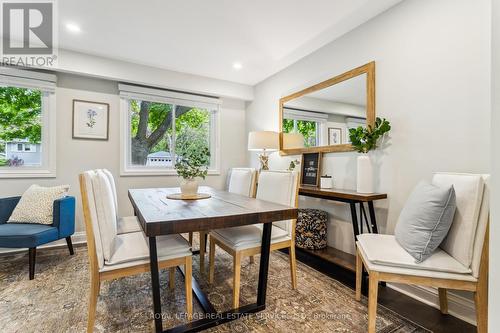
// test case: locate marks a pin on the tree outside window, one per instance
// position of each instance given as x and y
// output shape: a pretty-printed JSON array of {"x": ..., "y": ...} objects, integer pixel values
[{"x": 156, "y": 141}]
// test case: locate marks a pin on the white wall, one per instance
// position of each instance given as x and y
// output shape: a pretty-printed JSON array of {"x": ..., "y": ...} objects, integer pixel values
[
  {"x": 494, "y": 276},
  {"x": 75, "y": 156},
  {"x": 433, "y": 84}
]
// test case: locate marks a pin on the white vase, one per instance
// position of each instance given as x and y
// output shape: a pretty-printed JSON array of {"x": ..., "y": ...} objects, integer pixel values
[
  {"x": 365, "y": 174},
  {"x": 189, "y": 187}
]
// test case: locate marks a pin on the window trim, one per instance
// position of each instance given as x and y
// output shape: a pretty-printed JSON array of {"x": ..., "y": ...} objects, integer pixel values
[{"x": 127, "y": 170}]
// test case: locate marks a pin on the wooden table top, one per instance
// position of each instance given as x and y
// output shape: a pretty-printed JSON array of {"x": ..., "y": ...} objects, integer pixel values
[
  {"x": 334, "y": 193},
  {"x": 161, "y": 216}
]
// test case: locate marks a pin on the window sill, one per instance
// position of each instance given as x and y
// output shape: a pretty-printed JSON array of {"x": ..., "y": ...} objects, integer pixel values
[
  {"x": 29, "y": 173},
  {"x": 158, "y": 172}
]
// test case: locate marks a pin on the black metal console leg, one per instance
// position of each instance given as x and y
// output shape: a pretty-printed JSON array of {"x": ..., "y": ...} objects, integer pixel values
[
  {"x": 70, "y": 245},
  {"x": 155, "y": 282},
  {"x": 364, "y": 218},
  {"x": 354, "y": 218},
  {"x": 373, "y": 219},
  {"x": 264, "y": 264},
  {"x": 32, "y": 259}
]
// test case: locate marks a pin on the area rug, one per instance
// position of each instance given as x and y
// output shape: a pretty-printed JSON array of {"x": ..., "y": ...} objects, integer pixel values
[{"x": 56, "y": 300}]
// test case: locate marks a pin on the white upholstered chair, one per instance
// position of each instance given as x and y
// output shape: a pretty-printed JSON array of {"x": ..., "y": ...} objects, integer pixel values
[
  {"x": 461, "y": 261},
  {"x": 240, "y": 181},
  {"x": 113, "y": 255},
  {"x": 125, "y": 224},
  {"x": 275, "y": 186}
]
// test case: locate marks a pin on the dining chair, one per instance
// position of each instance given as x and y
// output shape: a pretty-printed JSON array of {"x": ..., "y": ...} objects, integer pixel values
[
  {"x": 275, "y": 186},
  {"x": 113, "y": 255},
  {"x": 240, "y": 181},
  {"x": 461, "y": 261}
]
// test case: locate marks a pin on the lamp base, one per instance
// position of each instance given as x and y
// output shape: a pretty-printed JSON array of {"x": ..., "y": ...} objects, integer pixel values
[{"x": 264, "y": 161}]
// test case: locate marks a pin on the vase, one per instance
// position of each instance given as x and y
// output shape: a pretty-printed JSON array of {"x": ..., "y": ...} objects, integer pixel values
[
  {"x": 364, "y": 174},
  {"x": 189, "y": 187}
]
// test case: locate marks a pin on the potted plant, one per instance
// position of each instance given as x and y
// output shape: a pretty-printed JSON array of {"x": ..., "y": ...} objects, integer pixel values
[
  {"x": 191, "y": 166},
  {"x": 363, "y": 140}
]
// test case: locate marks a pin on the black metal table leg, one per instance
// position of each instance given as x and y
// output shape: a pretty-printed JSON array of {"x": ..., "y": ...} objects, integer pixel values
[
  {"x": 155, "y": 284},
  {"x": 373, "y": 219},
  {"x": 354, "y": 217},
  {"x": 264, "y": 264},
  {"x": 212, "y": 317}
]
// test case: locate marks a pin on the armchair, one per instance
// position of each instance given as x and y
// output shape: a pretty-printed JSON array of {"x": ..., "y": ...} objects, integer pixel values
[{"x": 27, "y": 235}]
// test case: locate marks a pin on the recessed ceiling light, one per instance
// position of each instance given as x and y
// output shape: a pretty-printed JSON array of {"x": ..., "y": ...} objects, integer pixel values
[
  {"x": 237, "y": 65},
  {"x": 73, "y": 27}
]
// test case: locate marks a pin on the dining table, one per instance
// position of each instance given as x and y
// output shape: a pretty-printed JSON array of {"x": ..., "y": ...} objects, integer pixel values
[{"x": 159, "y": 215}]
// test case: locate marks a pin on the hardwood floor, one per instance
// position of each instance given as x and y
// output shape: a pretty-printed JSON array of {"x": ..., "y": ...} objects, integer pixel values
[{"x": 406, "y": 306}]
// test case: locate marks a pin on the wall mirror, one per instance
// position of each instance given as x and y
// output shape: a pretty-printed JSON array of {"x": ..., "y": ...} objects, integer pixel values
[{"x": 318, "y": 118}]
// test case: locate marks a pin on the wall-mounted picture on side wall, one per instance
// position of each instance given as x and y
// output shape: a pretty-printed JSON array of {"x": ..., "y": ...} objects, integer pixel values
[
  {"x": 335, "y": 136},
  {"x": 90, "y": 120}
]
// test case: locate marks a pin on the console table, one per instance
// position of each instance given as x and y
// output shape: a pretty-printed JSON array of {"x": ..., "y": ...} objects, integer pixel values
[{"x": 353, "y": 198}]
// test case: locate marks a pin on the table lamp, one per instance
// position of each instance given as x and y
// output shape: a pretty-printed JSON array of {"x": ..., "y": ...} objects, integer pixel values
[{"x": 263, "y": 141}]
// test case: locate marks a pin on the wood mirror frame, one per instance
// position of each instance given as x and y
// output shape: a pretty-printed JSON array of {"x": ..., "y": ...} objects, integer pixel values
[{"x": 369, "y": 70}]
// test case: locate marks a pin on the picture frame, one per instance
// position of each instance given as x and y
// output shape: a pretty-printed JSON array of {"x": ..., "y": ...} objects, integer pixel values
[
  {"x": 311, "y": 169},
  {"x": 90, "y": 120},
  {"x": 335, "y": 136}
]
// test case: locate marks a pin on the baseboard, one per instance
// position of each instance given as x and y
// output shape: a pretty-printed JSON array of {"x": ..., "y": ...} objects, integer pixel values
[
  {"x": 458, "y": 305},
  {"x": 76, "y": 238}
]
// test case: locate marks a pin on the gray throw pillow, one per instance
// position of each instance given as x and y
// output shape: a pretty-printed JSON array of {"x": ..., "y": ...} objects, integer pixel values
[{"x": 425, "y": 219}]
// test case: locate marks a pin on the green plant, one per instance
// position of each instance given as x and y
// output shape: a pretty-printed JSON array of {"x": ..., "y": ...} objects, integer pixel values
[
  {"x": 365, "y": 139},
  {"x": 193, "y": 163},
  {"x": 3, "y": 162},
  {"x": 293, "y": 164}
]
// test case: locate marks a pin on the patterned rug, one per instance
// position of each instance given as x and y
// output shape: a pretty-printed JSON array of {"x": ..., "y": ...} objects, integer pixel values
[{"x": 56, "y": 300}]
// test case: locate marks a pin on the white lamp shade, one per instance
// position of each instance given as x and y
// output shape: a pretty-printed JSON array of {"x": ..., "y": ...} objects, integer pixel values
[
  {"x": 263, "y": 140},
  {"x": 293, "y": 140}
]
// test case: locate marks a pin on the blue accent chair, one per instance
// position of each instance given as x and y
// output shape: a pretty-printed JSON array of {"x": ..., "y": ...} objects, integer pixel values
[{"x": 26, "y": 235}]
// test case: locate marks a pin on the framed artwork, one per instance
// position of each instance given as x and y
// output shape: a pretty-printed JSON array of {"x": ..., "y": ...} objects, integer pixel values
[
  {"x": 335, "y": 136},
  {"x": 90, "y": 120},
  {"x": 311, "y": 163}
]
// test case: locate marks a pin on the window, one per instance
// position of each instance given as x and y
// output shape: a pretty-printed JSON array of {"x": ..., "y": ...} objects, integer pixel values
[
  {"x": 26, "y": 142},
  {"x": 307, "y": 123},
  {"x": 309, "y": 129},
  {"x": 159, "y": 128}
]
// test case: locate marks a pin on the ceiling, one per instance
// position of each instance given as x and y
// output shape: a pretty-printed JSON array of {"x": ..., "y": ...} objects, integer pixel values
[{"x": 207, "y": 37}]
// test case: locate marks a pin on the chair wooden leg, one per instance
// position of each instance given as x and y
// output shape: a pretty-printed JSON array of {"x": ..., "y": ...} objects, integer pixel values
[
  {"x": 93, "y": 296},
  {"x": 236, "y": 279},
  {"x": 32, "y": 261},
  {"x": 171, "y": 278},
  {"x": 191, "y": 238},
  {"x": 443, "y": 301},
  {"x": 293, "y": 266},
  {"x": 211, "y": 261},
  {"x": 252, "y": 259},
  {"x": 372, "y": 302},
  {"x": 359, "y": 275},
  {"x": 189, "y": 287},
  {"x": 70, "y": 245},
  {"x": 202, "y": 251},
  {"x": 481, "y": 300}
]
